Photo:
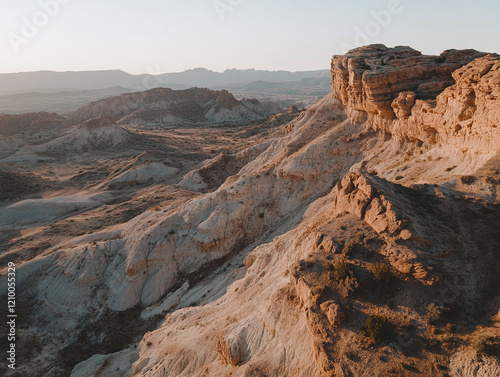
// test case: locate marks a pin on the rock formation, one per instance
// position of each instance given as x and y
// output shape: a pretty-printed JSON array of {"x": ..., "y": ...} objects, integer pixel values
[
  {"x": 446, "y": 99},
  {"x": 164, "y": 106},
  {"x": 370, "y": 78}
]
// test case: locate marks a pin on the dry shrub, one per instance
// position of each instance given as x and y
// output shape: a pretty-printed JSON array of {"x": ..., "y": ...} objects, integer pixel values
[
  {"x": 376, "y": 327},
  {"x": 381, "y": 273},
  {"x": 340, "y": 269},
  {"x": 433, "y": 312},
  {"x": 348, "y": 285},
  {"x": 467, "y": 179}
]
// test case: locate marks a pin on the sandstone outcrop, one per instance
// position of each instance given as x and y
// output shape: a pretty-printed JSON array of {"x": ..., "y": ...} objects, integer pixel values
[
  {"x": 358, "y": 194},
  {"x": 307, "y": 181},
  {"x": 370, "y": 78},
  {"x": 428, "y": 100}
]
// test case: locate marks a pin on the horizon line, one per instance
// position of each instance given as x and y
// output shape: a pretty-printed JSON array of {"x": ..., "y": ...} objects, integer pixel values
[{"x": 163, "y": 73}]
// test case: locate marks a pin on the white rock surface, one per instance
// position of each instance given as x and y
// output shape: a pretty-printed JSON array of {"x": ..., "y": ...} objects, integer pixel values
[
  {"x": 167, "y": 304},
  {"x": 114, "y": 365},
  {"x": 37, "y": 210},
  {"x": 154, "y": 171}
]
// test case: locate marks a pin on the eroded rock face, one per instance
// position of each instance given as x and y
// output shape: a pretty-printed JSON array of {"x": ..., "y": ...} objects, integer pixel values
[
  {"x": 358, "y": 195},
  {"x": 403, "y": 104},
  {"x": 326, "y": 244},
  {"x": 231, "y": 350},
  {"x": 370, "y": 78},
  {"x": 428, "y": 100}
]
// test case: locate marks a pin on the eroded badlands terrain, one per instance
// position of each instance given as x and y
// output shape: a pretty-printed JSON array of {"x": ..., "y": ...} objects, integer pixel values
[{"x": 188, "y": 233}]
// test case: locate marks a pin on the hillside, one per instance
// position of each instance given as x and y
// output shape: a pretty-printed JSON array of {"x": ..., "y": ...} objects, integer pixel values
[
  {"x": 167, "y": 107},
  {"x": 32, "y": 128},
  {"x": 26, "y": 125},
  {"x": 359, "y": 238}
]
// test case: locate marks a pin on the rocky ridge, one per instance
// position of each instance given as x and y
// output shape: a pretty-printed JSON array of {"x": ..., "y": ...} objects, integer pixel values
[{"x": 164, "y": 106}]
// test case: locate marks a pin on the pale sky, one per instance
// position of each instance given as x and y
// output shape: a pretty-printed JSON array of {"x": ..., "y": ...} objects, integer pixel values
[{"x": 157, "y": 36}]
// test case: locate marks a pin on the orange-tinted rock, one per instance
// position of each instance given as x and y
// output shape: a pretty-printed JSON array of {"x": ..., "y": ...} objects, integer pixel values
[
  {"x": 333, "y": 312},
  {"x": 370, "y": 78}
]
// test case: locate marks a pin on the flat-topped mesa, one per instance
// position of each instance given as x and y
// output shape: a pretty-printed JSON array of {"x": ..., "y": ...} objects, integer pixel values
[{"x": 370, "y": 78}]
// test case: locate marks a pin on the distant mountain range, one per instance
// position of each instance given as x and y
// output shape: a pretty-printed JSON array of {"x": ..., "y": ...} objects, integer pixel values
[
  {"x": 50, "y": 82},
  {"x": 64, "y": 92}
]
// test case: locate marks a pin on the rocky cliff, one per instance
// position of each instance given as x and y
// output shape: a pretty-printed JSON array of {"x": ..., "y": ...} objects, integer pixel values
[
  {"x": 448, "y": 99},
  {"x": 363, "y": 241},
  {"x": 370, "y": 78}
]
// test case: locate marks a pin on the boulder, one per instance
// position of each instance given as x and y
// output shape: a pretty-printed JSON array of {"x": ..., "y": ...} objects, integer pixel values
[{"x": 333, "y": 312}]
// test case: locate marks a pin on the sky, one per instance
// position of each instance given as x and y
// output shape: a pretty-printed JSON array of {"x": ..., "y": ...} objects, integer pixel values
[{"x": 158, "y": 36}]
